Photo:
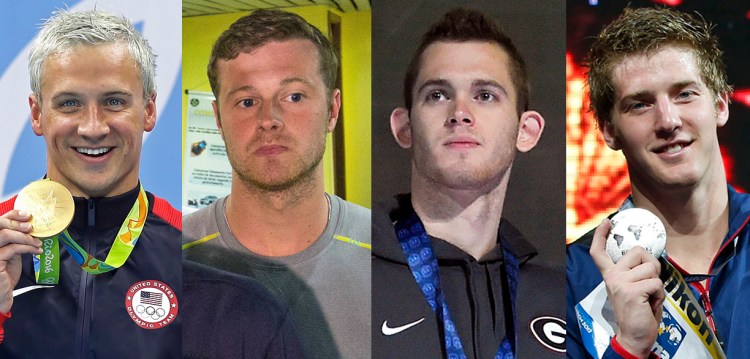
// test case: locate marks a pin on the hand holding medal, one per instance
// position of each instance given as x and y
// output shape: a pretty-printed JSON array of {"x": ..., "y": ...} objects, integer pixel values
[
  {"x": 625, "y": 249},
  {"x": 51, "y": 207},
  {"x": 635, "y": 227},
  {"x": 47, "y": 203}
]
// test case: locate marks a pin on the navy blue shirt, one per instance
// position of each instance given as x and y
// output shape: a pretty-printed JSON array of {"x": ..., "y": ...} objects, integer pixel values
[{"x": 232, "y": 316}]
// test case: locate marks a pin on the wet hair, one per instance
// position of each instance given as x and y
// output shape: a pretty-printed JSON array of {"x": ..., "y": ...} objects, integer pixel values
[
  {"x": 66, "y": 30},
  {"x": 464, "y": 25},
  {"x": 645, "y": 31},
  {"x": 263, "y": 26}
]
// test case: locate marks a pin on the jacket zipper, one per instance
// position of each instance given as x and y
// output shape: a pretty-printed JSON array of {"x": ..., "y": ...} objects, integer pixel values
[
  {"x": 467, "y": 267},
  {"x": 85, "y": 305}
]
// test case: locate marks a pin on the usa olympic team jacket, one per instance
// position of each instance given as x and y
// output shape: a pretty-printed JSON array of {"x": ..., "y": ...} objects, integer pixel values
[
  {"x": 130, "y": 312},
  {"x": 725, "y": 295}
]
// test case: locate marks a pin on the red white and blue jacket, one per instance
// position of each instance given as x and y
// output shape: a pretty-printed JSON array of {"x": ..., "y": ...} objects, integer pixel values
[
  {"x": 725, "y": 296},
  {"x": 90, "y": 316}
]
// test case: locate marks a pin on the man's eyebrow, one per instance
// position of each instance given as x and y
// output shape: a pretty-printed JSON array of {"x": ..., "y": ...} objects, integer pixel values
[
  {"x": 490, "y": 83},
  {"x": 239, "y": 89},
  {"x": 683, "y": 84},
  {"x": 290, "y": 80},
  {"x": 65, "y": 94},
  {"x": 434, "y": 82},
  {"x": 635, "y": 95},
  {"x": 621, "y": 104},
  {"x": 117, "y": 93}
]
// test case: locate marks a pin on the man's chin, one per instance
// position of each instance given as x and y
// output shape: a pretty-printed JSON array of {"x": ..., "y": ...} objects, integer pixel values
[
  {"x": 467, "y": 180},
  {"x": 275, "y": 186},
  {"x": 682, "y": 174},
  {"x": 273, "y": 183},
  {"x": 676, "y": 182},
  {"x": 91, "y": 189}
]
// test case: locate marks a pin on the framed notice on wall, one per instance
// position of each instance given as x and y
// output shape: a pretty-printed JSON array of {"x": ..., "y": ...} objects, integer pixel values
[{"x": 207, "y": 174}]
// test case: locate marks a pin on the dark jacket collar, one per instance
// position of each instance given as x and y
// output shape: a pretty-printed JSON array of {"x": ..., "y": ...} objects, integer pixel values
[
  {"x": 103, "y": 212},
  {"x": 386, "y": 245}
]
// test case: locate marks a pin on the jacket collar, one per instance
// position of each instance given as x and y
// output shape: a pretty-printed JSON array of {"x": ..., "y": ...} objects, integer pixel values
[
  {"x": 739, "y": 216},
  {"x": 103, "y": 212},
  {"x": 386, "y": 244}
]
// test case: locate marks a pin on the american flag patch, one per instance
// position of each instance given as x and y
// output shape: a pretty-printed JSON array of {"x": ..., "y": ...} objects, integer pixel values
[{"x": 151, "y": 298}]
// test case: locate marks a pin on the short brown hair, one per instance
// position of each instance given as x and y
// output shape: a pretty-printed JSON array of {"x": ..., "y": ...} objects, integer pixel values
[
  {"x": 644, "y": 31},
  {"x": 463, "y": 25},
  {"x": 263, "y": 26}
]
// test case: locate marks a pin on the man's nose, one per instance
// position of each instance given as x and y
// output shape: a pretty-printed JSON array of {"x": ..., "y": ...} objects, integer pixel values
[
  {"x": 461, "y": 113},
  {"x": 668, "y": 116},
  {"x": 270, "y": 116},
  {"x": 93, "y": 125}
]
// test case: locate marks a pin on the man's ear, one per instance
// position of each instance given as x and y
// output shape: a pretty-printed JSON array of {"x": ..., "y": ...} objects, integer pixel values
[
  {"x": 36, "y": 115},
  {"x": 722, "y": 109},
  {"x": 401, "y": 127},
  {"x": 608, "y": 132},
  {"x": 150, "y": 118},
  {"x": 530, "y": 129},
  {"x": 334, "y": 110}
]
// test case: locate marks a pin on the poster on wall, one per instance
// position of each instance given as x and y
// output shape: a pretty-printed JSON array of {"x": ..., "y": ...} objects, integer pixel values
[{"x": 207, "y": 174}]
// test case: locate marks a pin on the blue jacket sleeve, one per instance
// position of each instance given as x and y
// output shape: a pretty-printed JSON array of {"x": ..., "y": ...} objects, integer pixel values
[{"x": 582, "y": 277}]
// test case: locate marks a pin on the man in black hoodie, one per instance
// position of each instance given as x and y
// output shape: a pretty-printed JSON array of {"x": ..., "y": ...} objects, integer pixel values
[{"x": 465, "y": 116}]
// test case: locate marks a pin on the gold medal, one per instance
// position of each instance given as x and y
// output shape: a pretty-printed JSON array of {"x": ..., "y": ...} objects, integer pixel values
[{"x": 50, "y": 204}]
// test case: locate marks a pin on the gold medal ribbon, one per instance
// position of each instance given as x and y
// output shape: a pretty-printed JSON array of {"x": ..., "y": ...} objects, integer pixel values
[
  {"x": 127, "y": 237},
  {"x": 47, "y": 264}
]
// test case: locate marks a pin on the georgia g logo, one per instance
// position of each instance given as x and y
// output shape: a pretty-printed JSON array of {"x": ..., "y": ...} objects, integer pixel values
[{"x": 549, "y": 331}]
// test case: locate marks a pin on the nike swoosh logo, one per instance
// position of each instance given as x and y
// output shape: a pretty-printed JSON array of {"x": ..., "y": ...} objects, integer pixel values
[
  {"x": 390, "y": 331},
  {"x": 30, "y": 288}
]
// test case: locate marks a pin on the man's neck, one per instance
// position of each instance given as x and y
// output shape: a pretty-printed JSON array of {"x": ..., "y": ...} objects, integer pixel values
[
  {"x": 696, "y": 220},
  {"x": 277, "y": 223},
  {"x": 94, "y": 189},
  {"x": 468, "y": 219}
]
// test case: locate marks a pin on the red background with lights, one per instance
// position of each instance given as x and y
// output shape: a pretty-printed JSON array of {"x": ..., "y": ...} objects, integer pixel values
[{"x": 597, "y": 177}]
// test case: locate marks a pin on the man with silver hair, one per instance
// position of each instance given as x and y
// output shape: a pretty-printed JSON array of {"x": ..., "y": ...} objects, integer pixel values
[{"x": 94, "y": 96}]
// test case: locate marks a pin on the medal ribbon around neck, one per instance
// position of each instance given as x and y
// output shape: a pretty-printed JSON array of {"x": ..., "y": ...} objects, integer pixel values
[
  {"x": 421, "y": 259},
  {"x": 127, "y": 237}
]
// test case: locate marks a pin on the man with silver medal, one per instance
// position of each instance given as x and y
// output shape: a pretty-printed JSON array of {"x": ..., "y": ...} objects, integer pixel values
[{"x": 659, "y": 92}]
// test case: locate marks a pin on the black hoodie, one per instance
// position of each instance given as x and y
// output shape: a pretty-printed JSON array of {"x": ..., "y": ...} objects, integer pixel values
[{"x": 473, "y": 291}]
